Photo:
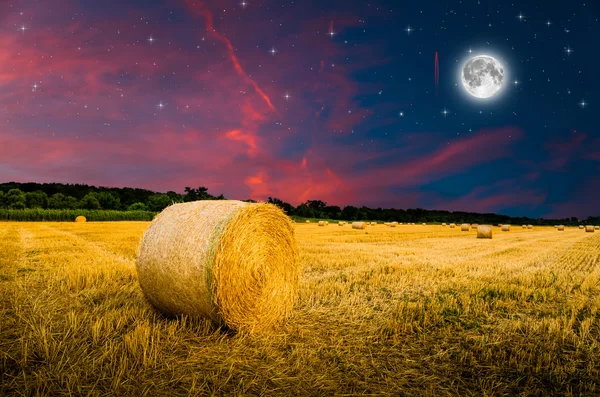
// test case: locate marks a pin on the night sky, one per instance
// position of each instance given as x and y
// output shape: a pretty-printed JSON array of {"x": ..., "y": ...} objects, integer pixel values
[{"x": 300, "y": 100}]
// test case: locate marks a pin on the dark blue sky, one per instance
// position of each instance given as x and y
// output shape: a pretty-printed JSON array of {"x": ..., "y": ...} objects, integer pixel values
[{"x": 330, "y": 100}]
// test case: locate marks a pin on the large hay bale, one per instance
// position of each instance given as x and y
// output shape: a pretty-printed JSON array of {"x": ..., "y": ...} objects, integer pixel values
[
  {"x": 589, "y": 229},
  {"x": 506, "y": 228},
  {"x": 359, "y": 225},
  {"x": 452, "y": 226},
  {"x": 231, "y": 261},
  {"x": 529, "y": 226},
  {"x": 484, "y": 231},
  {"x": 464, "y": 227},
  {"x": 561, "y": 228},
  {"x": 80, "y": 218}
]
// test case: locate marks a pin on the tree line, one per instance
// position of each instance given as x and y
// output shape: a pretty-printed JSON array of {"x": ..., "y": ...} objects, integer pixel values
[{"x": 15, "y": 196}]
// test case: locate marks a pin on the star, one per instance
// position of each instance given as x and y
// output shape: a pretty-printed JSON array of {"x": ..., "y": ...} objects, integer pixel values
[
  {"x": 160, "y": 105},
  {"x": 445, "y": 112},
  {"x": 516, "y": 82},
  {"x": 287, "y": 96},
  {"x": 470, "y": 51},
  {"x": 520, "y": 16},
  {"x": 408, "y": 29},
  {"x": 22, "y": 28},
  {"x": 583, "y": 104},
  {"x": 401, "y": 114},
  {"x": 151, "y": 39},
  {"x": 243, "y": 4},
  {"x": 273, "y": 51},
  {"x": 34, "y": 87},
  {"x": 548, "y": 23},
  {"x": 568, "y": 50}
]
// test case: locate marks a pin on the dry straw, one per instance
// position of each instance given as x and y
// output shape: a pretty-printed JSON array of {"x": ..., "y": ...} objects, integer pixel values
[
  {"x": 464, "y": 227},
  {"x": 322, "y": 223},
  {"x": 529, "y": 226},
  {"x": 581, "y": 226},
  {"x": 597, "y": 228},
  {"x": 444, "y": 224},
  {"x": 231, "y": 261},
  {"x": 452, "y": 225},
  {"x": 373, "y": 223},
  {"x": 524, "y": 226},
  {"x": 589, "y": 229},
  {"x": 506, "y": 228},
  {"x": 474, "y": 226},
  {"x": 484, "y": 231},
  {"x": 359, "y": 225},
  {"x": 561, "y": 228},
  {"x": 80, "y": 218},
  {"x": 393, "y": 224},
  {"x": 307, "y": 221}
]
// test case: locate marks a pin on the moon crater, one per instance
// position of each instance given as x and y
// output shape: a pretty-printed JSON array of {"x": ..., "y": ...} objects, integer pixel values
[{"x": 482, "y": 76}]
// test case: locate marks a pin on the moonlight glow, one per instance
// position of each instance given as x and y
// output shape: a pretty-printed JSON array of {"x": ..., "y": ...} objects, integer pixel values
[{"x": 482, "y": 76}]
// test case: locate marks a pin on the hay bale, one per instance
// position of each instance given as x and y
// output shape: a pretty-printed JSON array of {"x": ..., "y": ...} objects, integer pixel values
[
  {"x": 597, "y": 228},
  {"x": 444, "y": 224},
  {"x": 474, "y": 226},
  {"x": 424, "y": 224},
  {"x": 484, "y": 231},
  {"x": 373, "y": 223},
  {"x": 359, "y": 225},
  {"x": 506, "y": 228},
  {"x": 524, "y": 226},
  {"x": 233, "y": 262},
  {"x": 393, "y": 224},
  {"x": 464, "y": 227},
  {"x": 322, "y": 223},
  {"x": 307, "y": 221},
  {"x": 580, "y": 226},
  {"x": 80, "y": 218},
  {"x": 589, "y": 229},
  {"x": 529, "y": 226},
  {"x": 452, "y": 226},
  {"x": 561, "y": 228}
]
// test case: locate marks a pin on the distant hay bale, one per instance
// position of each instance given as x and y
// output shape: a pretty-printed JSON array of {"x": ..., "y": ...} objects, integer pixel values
[
  {"x": 307, "y": 221},
  {"x": 393, "y": 224},
  {"x": 359, "y": 225},
  {"x": 444, "y": 224},
  {"x": 506, "y": 228},
  {"x": 424, "y": 224},
  {"x": 80, "y": 218},
  {"x": 452, "y": 226},
  {"x": 373, "y": 223},
  {"x": 524, "y": 226},
  {"x": 233, "y": 262},
  {"x": 589, "y": 229},
  {"x": 555, "y": 226},
  {"x": 529, "y": 226},
  {"x": 597, "y": 228},
  {"x": 581, "y": 226},
  {"x": 484, "y": 231},
  {"x": 561, "y": 228},
  {"x": 474, "y": 226},
  {"x": 322, "y": 223},
  {"x": 464, "y": 227}
]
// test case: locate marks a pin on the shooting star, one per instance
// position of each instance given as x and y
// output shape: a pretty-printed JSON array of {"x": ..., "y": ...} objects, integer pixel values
[{"x": 436, "y": 73}]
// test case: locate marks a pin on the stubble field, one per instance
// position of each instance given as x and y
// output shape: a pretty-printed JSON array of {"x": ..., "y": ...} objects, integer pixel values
[{"x": 412, "y": 310}]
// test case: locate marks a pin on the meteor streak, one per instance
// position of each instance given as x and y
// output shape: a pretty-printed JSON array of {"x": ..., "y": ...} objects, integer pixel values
[{"x": 436, "y": 73}]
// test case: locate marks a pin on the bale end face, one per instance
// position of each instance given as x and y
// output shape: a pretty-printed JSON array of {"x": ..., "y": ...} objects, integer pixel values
[
  {"x": 464, "y": 227},
  {"x": 560, "y": 228},
  {"x": 506, "y": 228},
  {"x": 359, "y": 225},
  {"x": 452, "y": 225},
  {"x": 589, "y": 229},
  {"x": 81, "y": 218},
  {"x": 484, "y": 231},
  {"x": 233, "y": 262},
  {"x": 529, "y": 226},
  {"x": 580, "y": 226},
  {"x": 322, "y": 223}
]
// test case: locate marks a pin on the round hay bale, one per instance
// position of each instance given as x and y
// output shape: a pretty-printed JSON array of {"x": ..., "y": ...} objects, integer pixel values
[
  {"x": 484, "y": 231},
  {"x": 444, "y": 224},
  {"x": 524, "y": 226},
  {"x": 231, "y": 261},
  {"x": 452, "y": 226},
  {"x": 506, "y": 228},
  {"x": 581, "y": 226},
  {"x": 474, "y": 226},
  {"x": 373, "y": 223},
  {"x": 322, "y": 223},
  {"x": 561, "y": 228},
  {"x": 80, "y": 218},
  {"x": 424, "y": 224},
  {"x": 529, "y": 226},
  {"x": 307, "y": 221},
  {"x": 597, "y": 228},
  {"x": 359, "y": 225},
  {"x": 464, "y": 227},
  {"x": 393, "y": 224},
  {"x": 589, "y": 229}
]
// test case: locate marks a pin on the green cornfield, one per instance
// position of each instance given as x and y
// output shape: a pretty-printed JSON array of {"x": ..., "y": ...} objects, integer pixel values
[{"x": 42, "y": 215}]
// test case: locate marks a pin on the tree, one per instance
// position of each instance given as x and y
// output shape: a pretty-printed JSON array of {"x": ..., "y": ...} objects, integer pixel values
[
  {"x": 288, "y": 208},
  {"x": 197, "y": 194},
  {"x": 2, "y": 198},
  {"x": 90, "y": 202},
  {"x": 37, "y": 199},
  {"x": 350, "y": 213},
  {"x": 108, "y": 201},
  {"x": 15, "y": 199},
  {"x": 158, "y": 202},
  {"x": 137, "y": 207},
  {"x": 175, "y": 197},
  {"x": 60, "y": 202},
  {"x": 305, "y": 211},
  {"x": 316, "y": 205}
]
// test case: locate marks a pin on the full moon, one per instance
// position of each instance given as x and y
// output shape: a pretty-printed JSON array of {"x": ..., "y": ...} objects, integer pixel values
[{"x": 482, "y": 76}]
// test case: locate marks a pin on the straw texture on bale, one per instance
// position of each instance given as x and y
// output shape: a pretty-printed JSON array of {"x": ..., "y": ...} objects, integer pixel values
[
  {"x": 452, "y": 225},
  {"x": 231, "y": 261},
  {"x": 529, "y": 226},
  {"x": 484, "y": 231},
  {"x": 506, "y": 228},
  {"x": 359, "y": 225},
  {"x": 322, "y": 223},
  {"x": 589, "y": 229},
  {"x": 80, "y": 218},
  {"x": 464, "y": 227},
  {"x": 561, "y": 228}
]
